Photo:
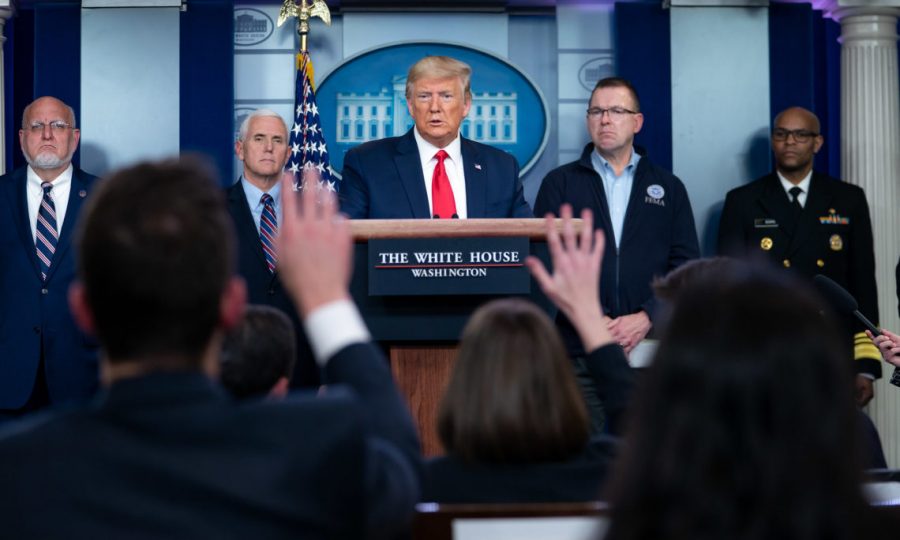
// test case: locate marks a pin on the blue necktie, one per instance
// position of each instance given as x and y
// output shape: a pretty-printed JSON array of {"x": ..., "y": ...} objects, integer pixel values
[
  {"x": 268, "y": 229},
  {"x": 46, "y": 235}
]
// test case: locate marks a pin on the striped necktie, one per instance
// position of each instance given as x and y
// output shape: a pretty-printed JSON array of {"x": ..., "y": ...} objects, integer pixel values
[
  {"x": 46, "y": 235},
  {"x": 268, "y": 229}
]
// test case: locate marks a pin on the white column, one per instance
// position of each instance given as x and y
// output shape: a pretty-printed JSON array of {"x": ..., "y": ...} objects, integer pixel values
[
  {"x": 7, "y": 9},
  {"x": 870, "y": 158}
]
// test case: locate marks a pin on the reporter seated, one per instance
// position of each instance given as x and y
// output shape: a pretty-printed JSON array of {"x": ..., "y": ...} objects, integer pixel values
[
  {"x": 258, "y": 355},
  {"x": 163, "y": 453},
  {"x": 512, "y": 420}
]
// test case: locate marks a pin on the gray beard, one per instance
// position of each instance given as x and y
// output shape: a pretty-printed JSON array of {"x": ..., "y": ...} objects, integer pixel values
[{"x": 46, "y": 161}]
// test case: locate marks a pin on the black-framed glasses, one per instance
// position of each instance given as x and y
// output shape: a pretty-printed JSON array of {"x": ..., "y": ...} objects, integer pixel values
[
  {"x": 615, "y": 113},
  {"x": 800, "y": 135},
  {"x": 56, "y": 126}
]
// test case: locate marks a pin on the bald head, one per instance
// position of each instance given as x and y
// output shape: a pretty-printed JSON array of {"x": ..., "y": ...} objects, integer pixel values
[
  {"x": 795, "y": 142},
  {"x": 801, "y": 115}
]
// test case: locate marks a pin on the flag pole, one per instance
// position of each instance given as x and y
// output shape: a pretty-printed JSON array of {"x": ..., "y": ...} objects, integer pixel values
[{"x": 304, "y": 12}]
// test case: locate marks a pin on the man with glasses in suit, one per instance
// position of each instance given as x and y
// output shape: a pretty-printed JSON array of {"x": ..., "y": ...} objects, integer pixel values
[
  {"x": 810, "y": 223},
  {"x": 44, "y": 358}
]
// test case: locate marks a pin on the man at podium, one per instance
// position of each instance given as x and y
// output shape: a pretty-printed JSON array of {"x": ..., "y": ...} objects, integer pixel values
[{"x": 432, "y": 171}]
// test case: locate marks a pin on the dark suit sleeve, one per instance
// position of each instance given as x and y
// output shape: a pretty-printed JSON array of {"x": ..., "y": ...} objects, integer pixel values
[
  {"x": 613, "y": 380},
  {"x": 550, "y": 196},
  {"x": 353, "y": 193},
  {"x": 519, "y": 207},
  {"x": 862, "y": 285},
  {"x": 394, "y": 466},
  {"x": 730, "y": 240}
]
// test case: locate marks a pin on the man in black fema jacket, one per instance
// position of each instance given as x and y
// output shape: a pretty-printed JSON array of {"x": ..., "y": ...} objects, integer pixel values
[{"x": 643, "y": 210}]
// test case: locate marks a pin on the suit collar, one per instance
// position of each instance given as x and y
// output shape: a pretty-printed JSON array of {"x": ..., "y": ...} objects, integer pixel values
[
  {"x": 245, "y": 227},
  {"x": 18, "y": 203},
  {"x": 776, "y": 204},
  {"x": 77, "y": 195},
  {"x": 817, "y": 204},
  {"x": 409, "y": 169},
  {"x": 476, "y": 179}
]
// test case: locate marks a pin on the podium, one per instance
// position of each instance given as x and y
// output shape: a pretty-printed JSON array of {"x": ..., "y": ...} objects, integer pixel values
[{"x": 420, "y": 332}]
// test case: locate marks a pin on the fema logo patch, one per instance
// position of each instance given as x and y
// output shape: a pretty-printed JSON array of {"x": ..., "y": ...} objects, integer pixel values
[
  {"x": 656, "y": 191},
  {"x": 251, "y": 27},
  {"x": 364, "y": 99}
]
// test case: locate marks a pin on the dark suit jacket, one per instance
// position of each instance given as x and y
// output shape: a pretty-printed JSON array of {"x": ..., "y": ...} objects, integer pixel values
[
  {"x": 383, "y": 180},
  {"x": 833, "y": 237},
  {"x": 449, "y": 479},
  {"x": 34, "y": 315},
  {"x": 169, "y": 455},
  {"x": 265, "y": 288}
]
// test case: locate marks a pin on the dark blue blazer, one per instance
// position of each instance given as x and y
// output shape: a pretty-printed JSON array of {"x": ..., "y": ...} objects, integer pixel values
[
  {"x": 383, "y": 180},
  {"x": 170, "y": 455},
  {"x": 35, "y": 315},
  {"x": 265, "y": 288}
]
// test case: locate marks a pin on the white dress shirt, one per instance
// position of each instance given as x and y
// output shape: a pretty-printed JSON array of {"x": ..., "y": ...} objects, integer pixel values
[
  {"x": 804, "y": 185},
  {"x": 453, "y": 164},
  {"x": 62, "y": 185}
]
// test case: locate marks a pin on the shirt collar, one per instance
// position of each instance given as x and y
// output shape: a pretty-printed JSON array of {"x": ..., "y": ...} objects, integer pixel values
[
  {"x": 254, "y": 194},
  {"x": 62, "y": 181},
  {"x": 787, "y": 184},
  {"x": 428, "y": 150},
  {"x": 601, "y": 163}
]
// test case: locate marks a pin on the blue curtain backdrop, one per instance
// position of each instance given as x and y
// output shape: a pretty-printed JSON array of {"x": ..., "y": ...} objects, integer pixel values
[
  {"x": 643, "y": 56},
  {"x": 207, "y": 82},
  {"x": 804, "y": 70}
]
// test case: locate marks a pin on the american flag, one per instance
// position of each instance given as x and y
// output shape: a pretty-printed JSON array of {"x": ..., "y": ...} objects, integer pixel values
[{"x": 307, "y": 141}]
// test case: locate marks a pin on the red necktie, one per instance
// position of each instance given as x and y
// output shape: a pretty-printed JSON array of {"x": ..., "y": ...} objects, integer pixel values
[{"x": 442, "y": 202}]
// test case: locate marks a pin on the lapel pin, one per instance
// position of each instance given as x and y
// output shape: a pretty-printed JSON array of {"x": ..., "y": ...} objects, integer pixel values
[
  {"x": 82, "y": 193},
  {"x": 478, "y": 166}
]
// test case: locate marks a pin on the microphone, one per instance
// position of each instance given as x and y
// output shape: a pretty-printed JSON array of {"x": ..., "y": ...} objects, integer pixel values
[{"x": 844, "y": 302}]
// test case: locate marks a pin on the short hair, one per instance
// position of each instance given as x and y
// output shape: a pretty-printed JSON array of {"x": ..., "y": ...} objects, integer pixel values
[
  {"x": 617, "y": 82},
  {"x": 440, "y": 67},
  {"x": 156, "y": 251},
  {"x": 512, "y": 396},
  {"x": 747, "y": 408},
  {"x": 258, "y": 352},
  {"x": 68, "y": 108},
  {"x": 258, "y": 113}
]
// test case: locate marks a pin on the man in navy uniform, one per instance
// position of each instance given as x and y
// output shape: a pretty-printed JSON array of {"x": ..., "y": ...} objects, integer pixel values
[
  {"x": 643, "y": 210},
  {"x": 812, "y": 224}
]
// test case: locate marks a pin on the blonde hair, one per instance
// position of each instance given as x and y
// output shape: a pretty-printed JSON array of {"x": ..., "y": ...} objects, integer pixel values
[{"x": 440, "y": 67}]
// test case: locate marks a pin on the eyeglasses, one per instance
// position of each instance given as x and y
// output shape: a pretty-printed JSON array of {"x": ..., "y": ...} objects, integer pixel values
[
  {"x": 615, "y": 113},
  {"x": 800, "y": 135},
  {"x": 57, "y": 126}
]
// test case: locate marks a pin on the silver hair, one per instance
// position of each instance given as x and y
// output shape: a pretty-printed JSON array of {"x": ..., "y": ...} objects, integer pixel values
[{"x": 245, "y": 125}]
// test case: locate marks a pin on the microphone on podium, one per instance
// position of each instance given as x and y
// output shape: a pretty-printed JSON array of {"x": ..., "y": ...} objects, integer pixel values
[{"x": 844, "y": 302}]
